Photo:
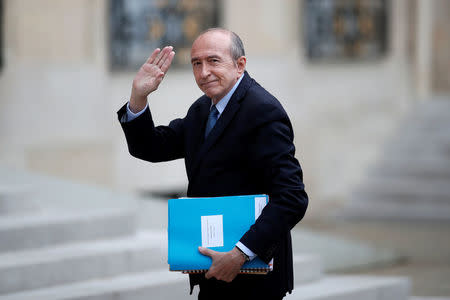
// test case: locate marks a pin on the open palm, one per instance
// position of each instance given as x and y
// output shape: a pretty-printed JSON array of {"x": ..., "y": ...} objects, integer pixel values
[{"x": 151, "y": 74}]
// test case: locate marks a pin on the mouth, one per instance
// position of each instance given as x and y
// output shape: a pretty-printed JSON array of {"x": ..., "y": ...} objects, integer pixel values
[{"x": 207, "y": 84}]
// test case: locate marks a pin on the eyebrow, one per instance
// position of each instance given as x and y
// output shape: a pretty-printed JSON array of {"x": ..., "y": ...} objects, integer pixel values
[{"x": 208, "y": 57}]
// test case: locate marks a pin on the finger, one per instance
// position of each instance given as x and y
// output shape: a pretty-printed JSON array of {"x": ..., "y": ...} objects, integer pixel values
[
  {"x": 208, "y": 275},
  {"x": 159, "y": 56},
  {"x": 206, "y": 251},
  {"x": 152, "y": 57},
  {"x": 162, "y": 56},
  {"x": 168, "y": 62}
]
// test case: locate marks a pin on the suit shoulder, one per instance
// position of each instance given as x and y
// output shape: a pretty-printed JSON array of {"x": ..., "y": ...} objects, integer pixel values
[
  {"x": 203, "y": 100},
  {"x": 259, "y": 100}
]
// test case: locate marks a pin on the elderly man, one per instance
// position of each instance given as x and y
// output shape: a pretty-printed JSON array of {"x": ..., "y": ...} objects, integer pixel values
[{"x": 236, "y": 139}]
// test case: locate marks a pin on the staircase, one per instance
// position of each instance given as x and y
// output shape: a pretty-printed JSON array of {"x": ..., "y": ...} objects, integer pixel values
[
  {"x": 54, "y": 250},
  {"x": 410, "y": 180}
]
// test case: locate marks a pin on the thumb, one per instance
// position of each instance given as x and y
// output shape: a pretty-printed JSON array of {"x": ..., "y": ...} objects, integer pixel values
[{"x": 206, "y": 251}]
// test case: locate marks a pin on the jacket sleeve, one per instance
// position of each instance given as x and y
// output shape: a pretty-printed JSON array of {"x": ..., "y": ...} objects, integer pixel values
[
  {"x": 273, "y": 156},
  {"x": 153, "y": 143}
]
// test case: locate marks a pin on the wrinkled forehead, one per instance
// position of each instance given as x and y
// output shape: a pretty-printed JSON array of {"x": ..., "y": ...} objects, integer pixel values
[{"x": 209, "y": 43}]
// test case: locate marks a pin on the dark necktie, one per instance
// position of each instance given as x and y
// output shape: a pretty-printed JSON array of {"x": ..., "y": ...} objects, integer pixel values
[{"x": 212, "y": 118}]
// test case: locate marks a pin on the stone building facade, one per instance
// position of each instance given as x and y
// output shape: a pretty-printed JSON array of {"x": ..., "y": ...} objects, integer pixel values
[{"x": 59, "y": 92}]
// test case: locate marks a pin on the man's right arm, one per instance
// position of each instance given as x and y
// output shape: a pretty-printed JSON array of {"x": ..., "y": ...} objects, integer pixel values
[
  {"x": 145, "y": 141},
  {"x": 147, "y": 81}
]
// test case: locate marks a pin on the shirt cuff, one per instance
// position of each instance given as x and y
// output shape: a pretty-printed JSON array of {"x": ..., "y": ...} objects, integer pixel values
[
  {"x": 247, "y": 251},
  {"x": 131, "y": 115}
]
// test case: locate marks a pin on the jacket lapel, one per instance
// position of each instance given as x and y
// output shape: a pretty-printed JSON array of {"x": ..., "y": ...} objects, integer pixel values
[
  {"x": 222, "y": 123},
  {"x": 195, "y": 135}
]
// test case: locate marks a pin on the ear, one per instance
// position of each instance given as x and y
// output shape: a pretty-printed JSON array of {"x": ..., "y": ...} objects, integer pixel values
[{"x": 241, "y": 63}]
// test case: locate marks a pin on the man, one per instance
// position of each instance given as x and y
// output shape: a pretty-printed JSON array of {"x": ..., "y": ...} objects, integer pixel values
[{"x": 236, "y": 140}]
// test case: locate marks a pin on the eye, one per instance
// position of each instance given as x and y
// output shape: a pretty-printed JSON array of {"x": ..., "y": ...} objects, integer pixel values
[{"x": 213, "y": 60}]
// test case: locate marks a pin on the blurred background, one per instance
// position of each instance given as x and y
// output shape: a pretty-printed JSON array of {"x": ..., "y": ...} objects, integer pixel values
[{"x": 365, "y": 83}]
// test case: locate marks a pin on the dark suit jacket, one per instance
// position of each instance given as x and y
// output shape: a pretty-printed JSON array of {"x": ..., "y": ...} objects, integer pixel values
[{"x": 249, "y": 151}]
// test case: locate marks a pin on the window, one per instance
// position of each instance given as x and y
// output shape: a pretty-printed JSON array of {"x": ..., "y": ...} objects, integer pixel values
[
  {"x": 139, "y": 26},
  {"x": 345, "y": 29}
]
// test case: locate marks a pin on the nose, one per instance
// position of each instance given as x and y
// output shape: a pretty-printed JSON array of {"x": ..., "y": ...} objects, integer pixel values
[{"x": 204, "y": 72}]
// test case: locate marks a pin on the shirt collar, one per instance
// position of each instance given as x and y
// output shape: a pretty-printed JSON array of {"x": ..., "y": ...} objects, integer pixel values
[{"x": 224, "y": 101}]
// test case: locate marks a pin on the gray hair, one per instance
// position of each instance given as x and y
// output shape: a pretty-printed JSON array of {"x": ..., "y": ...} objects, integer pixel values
[{"x": 236, "y": 47}]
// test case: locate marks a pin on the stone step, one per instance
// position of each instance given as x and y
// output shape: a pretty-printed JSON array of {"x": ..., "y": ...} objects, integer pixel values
[
  {"x": 20, "y": 232},
  {"x": 416, "y": 148},
  {"x": 424, "y": 138},
  {"x": 66, "y": 264},
  {"x": 47, "y": 267},
  {"x": 353, "y": 287},
  {"x": 158, "y": 283},
  {"x": 307, "y": 268},
  {"x": 15, "y": 199},
  {"x": 162, "y": 284},
  {"x": 334, "y": 251},
  {"x": 429, "y": 298},
  {"x": 32, "y": 269},
  {"x": 410, "y": 179},
  {"x": 384, "y": 210},
  {"x": 436, "y": 149},
  {"x": 437, "y": 109},
  {"x": 408, "y": 191},
  {"x": 426, "y": 168}
]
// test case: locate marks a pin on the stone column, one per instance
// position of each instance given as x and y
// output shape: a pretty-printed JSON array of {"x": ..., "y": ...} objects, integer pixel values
[{"x": 424, "y": 44}]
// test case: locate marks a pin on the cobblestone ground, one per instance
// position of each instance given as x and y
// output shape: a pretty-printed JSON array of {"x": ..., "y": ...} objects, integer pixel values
[{"x": 425, "y": 246}]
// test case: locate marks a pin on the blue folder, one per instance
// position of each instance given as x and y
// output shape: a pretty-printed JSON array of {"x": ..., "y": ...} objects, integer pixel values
[{"x": 187, "y": 217}]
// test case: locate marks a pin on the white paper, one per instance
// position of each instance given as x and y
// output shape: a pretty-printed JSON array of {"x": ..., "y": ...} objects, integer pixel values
[
  {"x": 260, "y": 202},
  {"x": 212, "y": 231}
]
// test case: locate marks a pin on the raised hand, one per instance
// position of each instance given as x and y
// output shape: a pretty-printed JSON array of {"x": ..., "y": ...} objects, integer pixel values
[{"x": 150, "y": 76}]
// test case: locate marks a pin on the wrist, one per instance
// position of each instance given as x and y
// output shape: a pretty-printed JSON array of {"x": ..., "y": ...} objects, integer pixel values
[
  {"x": 137, "y": 103},
  {"x": 244, "y": 256}
]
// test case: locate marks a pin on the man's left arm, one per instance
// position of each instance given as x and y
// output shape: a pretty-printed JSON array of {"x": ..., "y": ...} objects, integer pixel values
[
  {"x": 281, "y": 174},
  {"x": 279, "y": 171}
]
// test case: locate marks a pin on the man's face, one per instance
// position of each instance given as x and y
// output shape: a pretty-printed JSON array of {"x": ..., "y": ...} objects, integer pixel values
[{"x": 214, "y": 69}]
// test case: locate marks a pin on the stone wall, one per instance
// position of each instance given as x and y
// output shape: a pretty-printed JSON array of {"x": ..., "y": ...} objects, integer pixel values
[{"x": 58, "y": 99}]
